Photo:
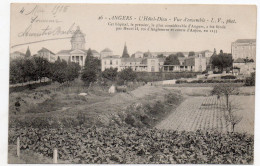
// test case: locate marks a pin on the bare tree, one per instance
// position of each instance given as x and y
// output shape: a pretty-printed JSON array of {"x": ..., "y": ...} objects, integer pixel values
[
  {"x": 225, "y": 90},
  {"x": 232, "y": 116}
]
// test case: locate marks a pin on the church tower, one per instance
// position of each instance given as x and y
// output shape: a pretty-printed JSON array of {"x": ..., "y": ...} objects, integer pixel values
[
  {"x": 125, "y": 52},
  {"x": 78, "y": 40}
]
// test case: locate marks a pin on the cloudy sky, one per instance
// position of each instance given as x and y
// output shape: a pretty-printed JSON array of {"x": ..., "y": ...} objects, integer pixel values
[{"x": 49, "y": 18}]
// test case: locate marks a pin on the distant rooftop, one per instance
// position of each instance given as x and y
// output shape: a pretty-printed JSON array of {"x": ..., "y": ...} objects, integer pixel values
[
  {"x": 106, "y": 50},
  {"x": 239, "y": 60},
  {"x": 245, "y": 41},
  {"x": 45, "y": 50},
  {"x": 111, "y": 56}
]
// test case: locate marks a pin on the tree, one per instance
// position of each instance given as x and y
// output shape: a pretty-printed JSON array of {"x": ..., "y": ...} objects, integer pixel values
[
  {"x": 172, "y": 60},
  {"x": 191, "y": 53},
  {"x": 29, "y": 70},
  {"x": 110, "y": 74},
  {"x": 127, "y": 75},
  {"x": 160, "y": 56},
  {"x": 225, "y": 90},
  {"x": 72, "y": 71},
  {"x": 89, "y": 53},
  {"x": 58, "y": 71},
  {"x": 222, "y": 60},
  {"x": 16, "y": 72},
  {"x": 92, "y": 63},
  {"x": 232, "y": 117},
  {"x": 250, "y": 81},
  {"x": 42, "y": 67},
  {"x": 28, "y": 52},
  {"x": 180, "y": 54},
  {"x": 88, "y": 76}
]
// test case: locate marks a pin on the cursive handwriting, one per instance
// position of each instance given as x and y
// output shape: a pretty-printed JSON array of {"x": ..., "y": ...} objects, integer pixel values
[{"x": 47, "y": 31}]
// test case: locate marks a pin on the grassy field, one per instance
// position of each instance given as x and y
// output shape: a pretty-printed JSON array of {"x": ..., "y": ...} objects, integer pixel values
[{"x": 65, "y": 105}]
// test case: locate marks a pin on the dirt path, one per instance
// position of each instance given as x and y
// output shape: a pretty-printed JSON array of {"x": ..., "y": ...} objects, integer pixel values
[{"x": 207, "y": 113}]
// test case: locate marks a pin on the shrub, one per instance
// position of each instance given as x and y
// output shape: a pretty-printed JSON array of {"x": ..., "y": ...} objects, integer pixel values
[
  {"x": 250, "y": 81},
  {"x": 228, "y": 77},
  {"x": 181, "y": 81},
  {"x": 129, "y": 120},
  {"x": 127, "y": 75},
  {"x": 88, "y": 76}
]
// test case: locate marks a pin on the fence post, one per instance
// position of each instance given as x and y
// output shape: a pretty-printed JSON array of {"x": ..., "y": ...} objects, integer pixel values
[
  {"x": 55, "y": 156},
  {"x": 18, "y": 147}
]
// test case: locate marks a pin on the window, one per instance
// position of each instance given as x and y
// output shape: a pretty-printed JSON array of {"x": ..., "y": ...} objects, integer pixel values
[
  {"x": 152, "y": 69},
  {"x": 111, "y": 62},
  {"x": 105, "y": 62},
  {"x": 116, "y": 62}
]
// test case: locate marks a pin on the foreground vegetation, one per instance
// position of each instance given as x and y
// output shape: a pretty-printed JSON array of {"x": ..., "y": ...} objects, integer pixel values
[{"x": 122, "y": 145}]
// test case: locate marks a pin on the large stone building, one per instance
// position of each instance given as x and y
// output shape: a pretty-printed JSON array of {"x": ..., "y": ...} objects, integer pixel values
[
  {"x": 195, "y": 63},
  {"x": 244, "y": 48},
  {"x": 240, "y": 66},
  {"x": 77, "y": 53},
  {"x": 17, "y": 54},
  {"x": 49, "y": 55},
  {"x": 106, "y": 53}
]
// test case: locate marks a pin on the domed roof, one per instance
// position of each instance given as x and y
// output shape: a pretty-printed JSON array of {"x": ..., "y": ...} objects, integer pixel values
[
  {"x": 78, "y": 36},
  {"x": 106, "y": 50}
]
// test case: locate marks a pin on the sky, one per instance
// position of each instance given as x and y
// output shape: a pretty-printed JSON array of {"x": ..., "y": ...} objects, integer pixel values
[{"x": 100, "y": 35}]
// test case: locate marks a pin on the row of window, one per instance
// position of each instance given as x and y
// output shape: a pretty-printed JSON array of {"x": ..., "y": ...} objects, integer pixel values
[{"x": 110, "y": 62}]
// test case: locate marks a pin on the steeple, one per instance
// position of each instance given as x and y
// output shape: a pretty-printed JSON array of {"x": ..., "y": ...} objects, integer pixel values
[
  {"x": 28, "y": 52},
  {"x": 125, "y": 52}
]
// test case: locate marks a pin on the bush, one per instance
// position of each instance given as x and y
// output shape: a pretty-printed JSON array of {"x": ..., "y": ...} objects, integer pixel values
[
  {"x": 228, "y": 77},
  {"x": 110, "y": 74},
  {"x": 250, "y": 81},
  {"x": 127, "y": 75},
  {"x": 181, "y": 81},
  {"x": 88, "y": 76}
]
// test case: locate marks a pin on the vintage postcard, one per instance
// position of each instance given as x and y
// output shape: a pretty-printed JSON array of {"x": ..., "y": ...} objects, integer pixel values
[{"x": 132, "y": 84}]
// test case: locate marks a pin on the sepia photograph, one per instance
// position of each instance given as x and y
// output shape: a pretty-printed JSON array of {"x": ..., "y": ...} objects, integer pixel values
[{"x": 131, "y": 83}]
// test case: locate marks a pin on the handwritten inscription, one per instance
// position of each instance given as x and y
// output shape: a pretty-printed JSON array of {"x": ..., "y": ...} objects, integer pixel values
[{"x": 49, "y": 26}]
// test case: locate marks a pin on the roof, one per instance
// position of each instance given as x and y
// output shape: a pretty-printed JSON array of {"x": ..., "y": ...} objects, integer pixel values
[
  {"x": 239, "y": 60},
  {"x": 106, "y": 50},
  {"x": 245, "y": 41},
  {"x": 69, "y": 51},
  {"x": 131, "y": 59},
  {"x": 94, "y": 51},
  {"x": 45, "y": 50},
  {"x": 78, "y": 36},
  {"x": 18, "y": 52},
  {"x": 139, "y": 52},
  {"x": 112, "y": 56},
  {"x": 64, "y": 51},
  {"x": 181, "y": 58},
  {"x": 190, "y": 61},
  {"x": 161, "y": 59}
]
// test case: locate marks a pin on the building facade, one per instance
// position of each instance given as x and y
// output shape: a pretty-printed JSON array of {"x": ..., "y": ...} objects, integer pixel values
[
  {"x": 77, "y": 53},
  {"x": 47, "y": 54},
  {"x": 17, "y": 54},
  {"x": 106, "y": 53},
  {"x": 244, "y": 48},
  {"x": 153, "y": 64},
  {"x": 242, "y": 67}
]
